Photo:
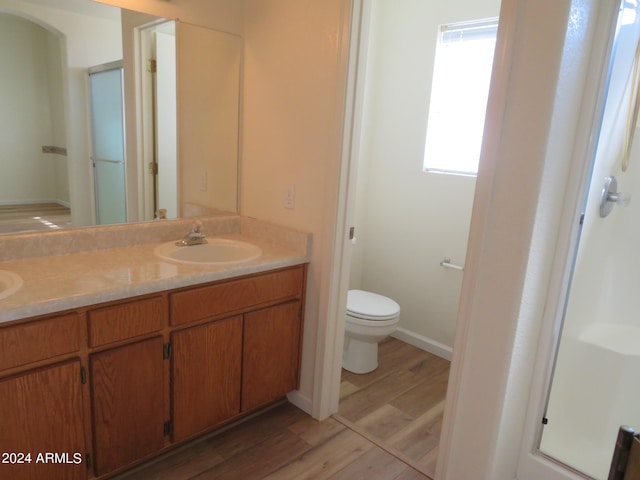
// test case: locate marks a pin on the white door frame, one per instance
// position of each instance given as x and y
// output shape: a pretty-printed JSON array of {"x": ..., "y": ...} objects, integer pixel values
[{"x": 326, "y": 394}]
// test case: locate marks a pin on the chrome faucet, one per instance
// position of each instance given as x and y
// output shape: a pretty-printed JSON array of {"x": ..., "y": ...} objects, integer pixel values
[{"x": 194, "y": 237}]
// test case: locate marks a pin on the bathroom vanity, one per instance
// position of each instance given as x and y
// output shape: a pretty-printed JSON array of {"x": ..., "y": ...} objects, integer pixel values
[{"x": 91, "y": 390}]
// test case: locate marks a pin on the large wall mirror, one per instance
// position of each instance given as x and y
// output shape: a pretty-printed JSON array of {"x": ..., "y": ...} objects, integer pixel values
[{"x": 113, "y": 116}]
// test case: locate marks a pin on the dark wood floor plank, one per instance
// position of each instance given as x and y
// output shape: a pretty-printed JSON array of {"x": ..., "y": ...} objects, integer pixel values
[
  {"x": 385, "y": 421},
  {"x": 376, "y": 463},
  {"x": 314, "y": 432},
  {"x": 410, "y": 474},
  {"x": 430, "y": 366},
  {"x": 260, "y": 460},
  {"x": 255, "y": 430},
  {"x": 181, "y": 464},
  {"x": 423, "y": 395},
  {"x": 429, "y": 423},
  {"x": 385, "y": 390},
  {"x": 393, "y": 356},
  {"x": 323, "y": 461}
]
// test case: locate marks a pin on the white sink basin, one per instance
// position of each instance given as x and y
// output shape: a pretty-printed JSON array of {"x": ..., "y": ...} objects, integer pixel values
[
  {"x": 218, "y": 251},
  {"x": 10, "y": 283}
]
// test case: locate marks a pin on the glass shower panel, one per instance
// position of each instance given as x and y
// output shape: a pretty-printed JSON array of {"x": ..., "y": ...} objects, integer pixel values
[
  {"x": 595, "y": 383},
  {"x": 107, "y": 128},
  {"x": 109, "y": 186}
]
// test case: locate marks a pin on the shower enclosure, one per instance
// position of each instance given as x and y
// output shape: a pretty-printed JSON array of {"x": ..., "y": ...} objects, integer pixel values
[
  {"x": 108, "y": 143},
  {"x": 595, "y": 384}
]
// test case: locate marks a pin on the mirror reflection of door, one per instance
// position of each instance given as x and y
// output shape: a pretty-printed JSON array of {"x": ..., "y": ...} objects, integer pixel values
[
  {"x": 107, "y": 139},
  {"x": 166, "y": 127}
]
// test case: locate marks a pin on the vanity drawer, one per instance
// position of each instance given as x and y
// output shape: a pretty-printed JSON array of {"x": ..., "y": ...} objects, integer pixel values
[
  {"x": 39, "y": 340},
  {"x": 235, "y": 295},
  {"x": 126, "y": 320}
]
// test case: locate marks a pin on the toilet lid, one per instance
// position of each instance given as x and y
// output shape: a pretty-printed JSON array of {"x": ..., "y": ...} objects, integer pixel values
[{"x": 371, "y": 305}]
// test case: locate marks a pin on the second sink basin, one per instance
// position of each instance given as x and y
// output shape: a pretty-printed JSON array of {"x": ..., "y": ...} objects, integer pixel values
[
  {"x": 217, "y": 251},
  {"x": 10, "y": 283}
]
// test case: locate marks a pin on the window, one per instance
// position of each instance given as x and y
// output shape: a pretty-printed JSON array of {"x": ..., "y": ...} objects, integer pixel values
[{"x": 461, "y": 76}]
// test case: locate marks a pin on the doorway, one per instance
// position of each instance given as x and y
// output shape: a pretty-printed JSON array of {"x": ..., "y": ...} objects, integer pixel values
[
  {"x": 410, "y": 224},
  {"x": 156, "y": 74}
]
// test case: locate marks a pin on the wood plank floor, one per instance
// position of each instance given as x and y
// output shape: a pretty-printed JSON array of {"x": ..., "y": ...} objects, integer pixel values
[
  {"x": 400, "y": 404},
  {"x": 387, "y": 428},
  {"x": 35, "y": 217}
]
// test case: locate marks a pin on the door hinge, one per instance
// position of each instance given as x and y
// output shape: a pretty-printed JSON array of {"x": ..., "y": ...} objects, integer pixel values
[
  {"x": 152, "y": 66},
  {"x": 88, "y": 461},
  {"x": 152, "y": 168},
  {"x": 352, "y": 231},
  {"x": 83, "y": 375},
  {"x": 581, "y": 218},
  {"x": 545, "y": 420},
  {"x": 167, "y": 350},
  {"x": 168, "y": 427}
]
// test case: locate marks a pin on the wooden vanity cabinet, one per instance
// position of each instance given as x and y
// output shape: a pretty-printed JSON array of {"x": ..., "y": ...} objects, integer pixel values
[
  {"x": 271, "y": 354},
  {"x": 42, "y": 425},
  {"x": 41, "y": 400},
  {"x": 39, "y": 340},
  {"x": 108, "y": 386},
  {"x": 205, "y": 371},
  {"x": 233, "y": 365},
  {"x": 128, "y": 395},
  {"x": 128, "y": 406}
]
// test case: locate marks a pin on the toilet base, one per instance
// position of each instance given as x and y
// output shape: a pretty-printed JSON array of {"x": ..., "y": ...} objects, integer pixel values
[{"x": 359, "y": 356}]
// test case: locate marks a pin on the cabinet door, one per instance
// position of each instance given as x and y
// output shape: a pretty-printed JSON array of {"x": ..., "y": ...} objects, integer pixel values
[
  {"x": 128, "y": 403},
  {"x": 271, "y": 354},
  {"x": 42, "y": 416},
  {"x": 206, "y": 376}
]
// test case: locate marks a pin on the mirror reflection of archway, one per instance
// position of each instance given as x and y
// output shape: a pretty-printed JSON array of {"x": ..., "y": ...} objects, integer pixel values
[{"x": 34, "y": 185}]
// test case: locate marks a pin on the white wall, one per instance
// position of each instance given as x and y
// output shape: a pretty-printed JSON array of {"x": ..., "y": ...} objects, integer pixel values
[
  {"x": 407, "y": 221},
  {"x": 28, "y": 116}
]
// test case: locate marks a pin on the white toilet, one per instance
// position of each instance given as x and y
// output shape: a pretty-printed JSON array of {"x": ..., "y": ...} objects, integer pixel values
[{"x": 370, "y": 318}]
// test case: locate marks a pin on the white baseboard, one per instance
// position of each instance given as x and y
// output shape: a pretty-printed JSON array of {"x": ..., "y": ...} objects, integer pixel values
[
  {"x": 300, "y": 401},
  {"x": 427, "y": 344}
]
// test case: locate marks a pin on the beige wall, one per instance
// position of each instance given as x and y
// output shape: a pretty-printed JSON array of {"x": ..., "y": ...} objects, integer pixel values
[
  {"x": 208, "y": 62},
  {"x": 292, "y": 128}
]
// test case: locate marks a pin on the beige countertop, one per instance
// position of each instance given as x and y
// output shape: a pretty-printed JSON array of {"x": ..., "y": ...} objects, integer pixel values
[{"x": 62, "y": 282}]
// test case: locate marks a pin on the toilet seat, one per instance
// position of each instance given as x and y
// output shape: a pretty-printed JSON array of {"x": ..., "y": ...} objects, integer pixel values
[{"x": 371, "y": 307}]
